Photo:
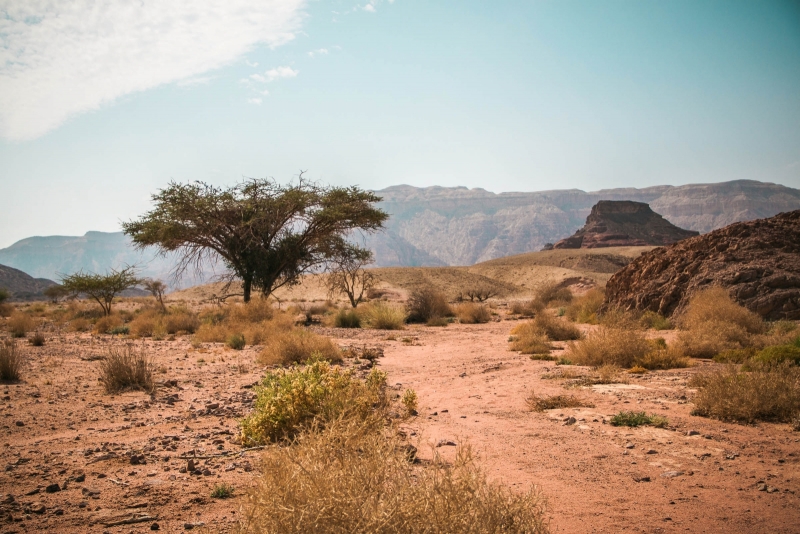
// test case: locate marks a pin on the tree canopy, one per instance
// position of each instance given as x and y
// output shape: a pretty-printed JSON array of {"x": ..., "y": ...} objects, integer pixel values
[
  {"x": 347, "y": 274},
  {"x": 266, "y": 234},
  {"x": 102, "y": 288}
]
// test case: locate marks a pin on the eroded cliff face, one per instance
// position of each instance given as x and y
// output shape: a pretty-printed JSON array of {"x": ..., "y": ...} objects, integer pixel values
[
  {"x": 623, "y": 223},
  {"x": 758, "y": 262},
  {"x": 460, "y": 226}
]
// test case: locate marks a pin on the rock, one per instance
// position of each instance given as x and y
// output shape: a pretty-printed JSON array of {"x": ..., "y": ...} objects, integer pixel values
[
  {"x": 155, "y": 526},
  {"x": 671, "y": 474},
  {"x": 623, "y": 223},
  {"x": 80, "y": 478},
  {"x": 19, "y": 423},
  {"x": 570, "y": 421},
  {"x": 651, "y": 451},
  {"x": 757, "y": 262},
  {"x": 692, "y": 433},
  {"x": 641, "y": 478},
  {"x": 37, "y": 508},
  {"x": 445, "y": 443},
  {"x": 762, "y": 487},
  {"x": 52, "y": 488},
  {"x": 34, "y": 491},
  {"x": 7, "y": 499},
  {"x": 190, "y": 465},
  {"x": 629, "y": 445}
]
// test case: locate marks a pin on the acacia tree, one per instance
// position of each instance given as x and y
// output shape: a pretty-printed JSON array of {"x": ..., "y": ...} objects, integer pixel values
[
  {"x": 157, "y": 288},
  {"x": 266, "y": 234},
  {"x": 346, "y": 273},
  {"x": 102, "y": 288}
]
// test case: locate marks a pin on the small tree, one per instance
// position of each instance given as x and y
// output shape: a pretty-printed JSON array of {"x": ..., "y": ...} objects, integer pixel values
[
  {"x": 346, "y": 273},
  {"x": 102, "y": 288},
  {"x": 4, "y": 294},
  {"x": 157, "y": 288},
  {"x": 266, "y": 233},
  {"x": 55, "y": 293}
]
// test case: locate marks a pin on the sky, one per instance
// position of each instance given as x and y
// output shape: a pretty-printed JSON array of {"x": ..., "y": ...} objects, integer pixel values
[{"x": 104, "y": 102}]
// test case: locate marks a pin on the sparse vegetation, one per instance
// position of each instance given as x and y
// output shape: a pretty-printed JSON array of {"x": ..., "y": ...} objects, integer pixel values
[
  {"x": 348, "y": 275},
  {"x": 126, "y": 368},
  {"x": 765, "y": 392},
  {"x": 101, "y": 288},
  {"x": 526, "y": 308},
  {"x": 236, "y": 341},
  {"x": 426, "y": 304},
  {"x": 37, "y": 339},
  {"x": 472, "y": 313},
  {"x": 11, "y": 361},
  {"x": 383, "y": 316},
  {"x": 409, "y": 401},
  {"x": 481, "y": 293},
  {"x": 289, "y": 400},
  {"x": 634, "y": 419},
  {"x": 222, "y": 491},
  {"x": 615, "y": 346},
  {"x": 298, "y": 346},
  {"x": 584, "y": 309},
  {"x": 55, "y": 293},
  {"x": 556, "y": 329},
  {"x": 714, "y": 323},
  {"x": 157, "y": 288},
  {"x": 539, "y": 404},
  {"x": 655, "y": 321},
  {"x": 20, "y": 323},
  {"x": 356, "y": 476},
  {"x": 528, "y": 339},
  {"x": 553, "y": 293},
  {"x": 347, "y": 319}
]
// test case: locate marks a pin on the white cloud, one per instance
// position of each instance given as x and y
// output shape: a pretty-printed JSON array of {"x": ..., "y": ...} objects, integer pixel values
[
  {"x": 256, "y": 101},
  {"x": 195, "y": 80},
  {"x": 280, "y": 72},
  {"x": 60, "y": 59},
  {"x": 318, "y": 52},
  {"x": 369, "y": 7}
]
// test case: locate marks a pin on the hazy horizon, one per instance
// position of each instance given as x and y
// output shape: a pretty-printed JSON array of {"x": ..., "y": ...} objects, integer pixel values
[{"x": 102, "y": 103}]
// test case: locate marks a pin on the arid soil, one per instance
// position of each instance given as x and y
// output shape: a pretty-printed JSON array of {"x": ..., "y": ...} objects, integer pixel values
[{"x": 123, "y": 457}]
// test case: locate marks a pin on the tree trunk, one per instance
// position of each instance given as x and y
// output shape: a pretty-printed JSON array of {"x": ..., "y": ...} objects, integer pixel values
[{"x": 247, "y": 285}]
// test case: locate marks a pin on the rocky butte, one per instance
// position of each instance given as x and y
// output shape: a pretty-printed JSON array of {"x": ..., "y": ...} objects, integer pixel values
[
  {"x": 757, "y": 262},
  {"x": 624, "y": 223}
]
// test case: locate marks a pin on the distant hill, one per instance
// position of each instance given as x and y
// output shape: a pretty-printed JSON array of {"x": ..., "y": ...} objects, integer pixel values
[
  {"x": 440, "y": 226},
  {"x": 20, "y": 285}
]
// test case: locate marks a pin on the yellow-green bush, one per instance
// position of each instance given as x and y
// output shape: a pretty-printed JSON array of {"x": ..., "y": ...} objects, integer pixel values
[
  {"x": 297, "y": 346},
  {"x": 556, "y": 329},
  {"x": 616, "y": 346},
  {"x": 290, "y": 400},
  {"x": 528, "y": 339},
  {"x": 382, "y": 315},
  {"x": 472, "y": 313},
  {"x": 584, "y": 309},
  {"x": 20, "y": 323}
]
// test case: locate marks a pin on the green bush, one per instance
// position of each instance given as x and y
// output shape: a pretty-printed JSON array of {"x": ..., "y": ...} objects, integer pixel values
[
  {"x": 634, "y": 419},
  {"x": 383, "y": 316},
  {"x": 289, "y": 400},
  {"x": 655, "y": 321},
  {"x": 222, "y": 491},
  {"x": 426, "y": 304},
  {"x": 235, "y": 341}
]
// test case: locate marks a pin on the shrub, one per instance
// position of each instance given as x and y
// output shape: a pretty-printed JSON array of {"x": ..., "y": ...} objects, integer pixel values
[
  {"x": 555, "y": 329},
  {"x": 289, "y": 400},
  {"x": 425, "y": 304},
  {"x": 347, "y": 319},
  {"x": 383, "y": 316},
  {"x": 180, "y": 321},
  {"x": 6, "y": 310},
  {"x": 352, "y": 477},
  {"x": 4, "y": 294},
  {"x": 540, "y": 404},
  {"x": 528, "y": 339},
  {"x": 584, "y": 309},
  {"x": 655, "y": 321},
  {"x": 526, "y": 308},
  {"x": 765, "y": 393},
  {"x": 779, "y": 354},
  {"x": 37, "y": 339},
  {"x": 634, "y": 419},
  {"x": 255, "y": 320},
  {"x": 551, "y": 292},
  {"x": 663, "y": 358},
  {"x": 11, "y": 361},
  {"x": 236, "y": 341},
  {"x": 471, "y": 313},
  {"x": 79, "y": 325},
  {"x": 437, "y": 321},
  {"x": 297, "y": 346},
  {"x": 222, "y": 491},
  {"x": 735, "y": 355},
  {"x": 20, "y": 323},
  {"x": 409, "y": 401},
  {"x": 615, "y": 346},
  {"x": 105, "y": 324},
  {"x": 126, "y": 368},
  {"x": 715, "y": 305}
]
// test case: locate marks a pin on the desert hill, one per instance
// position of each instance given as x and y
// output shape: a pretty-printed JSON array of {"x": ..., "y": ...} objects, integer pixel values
[
  {"x": 620, "y": 223},
  {"x": 439, "y": 226},
  {"x": 511, "y": 277},
  {"x": 758, "y": 262},
  {"x": 21, "y": 285}
]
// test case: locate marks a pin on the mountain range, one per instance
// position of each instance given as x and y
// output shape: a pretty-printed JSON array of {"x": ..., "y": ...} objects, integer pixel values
[{"x": 444, "y": 226}]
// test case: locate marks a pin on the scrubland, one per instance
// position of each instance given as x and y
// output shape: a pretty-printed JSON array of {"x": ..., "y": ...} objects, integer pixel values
[{"x": 419, "y": 414}]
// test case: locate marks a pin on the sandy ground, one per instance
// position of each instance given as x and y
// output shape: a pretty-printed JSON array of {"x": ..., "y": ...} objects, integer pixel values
[{"x": 59, "y": 427}]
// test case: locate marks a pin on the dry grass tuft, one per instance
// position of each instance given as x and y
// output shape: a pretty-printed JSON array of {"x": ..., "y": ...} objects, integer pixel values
[
  {"x": 126, "y": 368},
  {"x": 528, "y": 339},
  {"x": 526, "y": 308},
  {"x": 663, "y": 358},
  {"x": 11, "y": 361},
  {"x": 355, "y": 476},
  {"x": 298, "y": 346},
  {"x": 556, "y": 329},
  {"x": 540, "y": 404},
  {"x": 20, "y": 323},
  {"x": 764, "y": 393},
  {"x": 616, "y": 346},
  {"x": 655, "y": 321},
  {"x": 383, "y": 316},
  {"x": 471, "y": 313},
  {"x": 584, "y": 309}
]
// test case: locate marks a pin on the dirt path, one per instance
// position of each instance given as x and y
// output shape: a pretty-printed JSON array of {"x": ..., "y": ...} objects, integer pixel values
[{"x": 597, "y": 477}]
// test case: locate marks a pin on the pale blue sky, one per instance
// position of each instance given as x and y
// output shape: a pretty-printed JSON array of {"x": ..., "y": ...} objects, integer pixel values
[{"x": 103, "y": 108}]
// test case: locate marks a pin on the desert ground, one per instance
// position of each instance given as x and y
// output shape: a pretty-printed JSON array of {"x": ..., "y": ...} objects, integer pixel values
[{"x": 77, "y": 459}]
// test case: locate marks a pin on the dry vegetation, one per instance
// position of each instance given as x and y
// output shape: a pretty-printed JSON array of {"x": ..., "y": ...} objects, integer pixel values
[
  {"x": 11, "y": 361},
  {"x": 539, "y": 404},
  {"x": 126, "y": 368}
]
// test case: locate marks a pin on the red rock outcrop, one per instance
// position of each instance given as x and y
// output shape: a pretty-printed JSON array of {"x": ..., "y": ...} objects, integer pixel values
[
  {"x": 624, "y": 223},
  {"x": 758, "y": 262}
]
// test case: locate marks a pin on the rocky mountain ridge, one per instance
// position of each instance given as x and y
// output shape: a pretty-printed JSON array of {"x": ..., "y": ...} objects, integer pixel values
[
  {"x": 20, "y": 285},
  {"x": 441, "y": 226}
]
